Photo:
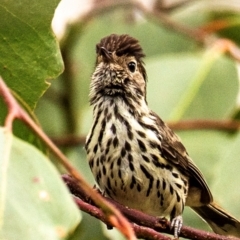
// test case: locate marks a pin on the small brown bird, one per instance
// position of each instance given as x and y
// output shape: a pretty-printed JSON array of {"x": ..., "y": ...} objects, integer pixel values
[{"x": 135, "y": 157}]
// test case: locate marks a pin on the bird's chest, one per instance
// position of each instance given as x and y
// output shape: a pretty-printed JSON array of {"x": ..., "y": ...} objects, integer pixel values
[
  {"x": 112, "y": 151},
  {"x": 125, "y": 158}
]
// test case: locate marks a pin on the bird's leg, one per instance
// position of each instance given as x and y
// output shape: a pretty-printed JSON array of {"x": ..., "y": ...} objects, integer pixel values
[{"x": 176, "y": 225}]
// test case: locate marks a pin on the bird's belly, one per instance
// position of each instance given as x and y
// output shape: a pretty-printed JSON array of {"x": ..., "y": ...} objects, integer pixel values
[
  {"x": 148, "y": 198},
  {"x": 158, "y": 191}
]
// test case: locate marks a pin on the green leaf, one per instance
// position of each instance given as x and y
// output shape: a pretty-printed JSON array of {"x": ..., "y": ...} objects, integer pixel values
[
  {"x": 90, "y": 228},
  {"x": 227, "y": 177},
  {"x": 210, "y": 151},
  {"x": 28, "y": 49},
  {"x": 206, "y": 149},
  {"x": 34, "y": 202},
  {"x": 192, "y": 86}
]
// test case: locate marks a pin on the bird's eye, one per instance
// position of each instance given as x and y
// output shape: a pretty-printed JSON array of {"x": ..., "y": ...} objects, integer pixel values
[{"x": 132, "y": 66}]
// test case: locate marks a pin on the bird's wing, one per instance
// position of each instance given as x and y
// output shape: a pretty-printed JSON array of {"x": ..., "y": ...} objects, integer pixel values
[{"x": 174, "y": 151}]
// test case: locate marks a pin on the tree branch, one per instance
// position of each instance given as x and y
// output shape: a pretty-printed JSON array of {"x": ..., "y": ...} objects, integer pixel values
[
  {"x": 140, "y": 231},
  {"x": 145, "y": 225},
  {"x": 159, "y": 17},
  {"x": 203, "y": 124},
  {"x": 221, "y": 125}
]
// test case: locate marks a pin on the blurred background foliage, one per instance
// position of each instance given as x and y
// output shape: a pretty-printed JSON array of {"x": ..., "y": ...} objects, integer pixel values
[
  {"x": 187, "y": 80},
  {"x": 190, "y": 78}
]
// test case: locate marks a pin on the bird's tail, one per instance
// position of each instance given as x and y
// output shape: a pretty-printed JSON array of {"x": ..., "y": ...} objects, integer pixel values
[{"x": 220, "y": 221}]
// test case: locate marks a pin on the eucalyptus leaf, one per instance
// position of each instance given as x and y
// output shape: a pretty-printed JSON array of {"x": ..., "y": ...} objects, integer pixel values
[
  {"x": 28, "y": 49},
  {"x": 192, "y": 86},
  {"x": 29, "y": 54},
  {"x": 217, "y": 156},
  {"x": 228, "y": 177},
  {"x": 34, "y": 202}
]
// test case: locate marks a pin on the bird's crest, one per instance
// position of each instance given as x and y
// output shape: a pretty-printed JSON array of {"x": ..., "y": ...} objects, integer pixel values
[{"x": 122, "y": 45}]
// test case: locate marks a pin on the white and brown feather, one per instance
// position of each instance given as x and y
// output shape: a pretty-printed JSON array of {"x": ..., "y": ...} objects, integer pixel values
[{"x": 135, "y": 158}]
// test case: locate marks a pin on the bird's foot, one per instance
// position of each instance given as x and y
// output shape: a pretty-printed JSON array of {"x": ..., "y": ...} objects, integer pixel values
[
  {"x": 176, "y": 225},
  {"x": 97, "y": 189}
]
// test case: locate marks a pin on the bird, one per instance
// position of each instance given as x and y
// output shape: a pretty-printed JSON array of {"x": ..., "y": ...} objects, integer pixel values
[{"x": 135, "y": 158}]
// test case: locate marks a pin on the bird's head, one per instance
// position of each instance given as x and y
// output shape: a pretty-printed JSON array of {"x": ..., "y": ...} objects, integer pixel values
[{"x": 119, "y": 71}]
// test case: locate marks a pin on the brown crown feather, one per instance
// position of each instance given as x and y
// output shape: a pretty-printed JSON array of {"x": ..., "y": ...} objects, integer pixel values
[{"x": 123, "y": 45}]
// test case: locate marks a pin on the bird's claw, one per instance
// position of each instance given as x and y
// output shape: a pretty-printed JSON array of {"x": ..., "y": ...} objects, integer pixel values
[{"x": 176, "y": 225}]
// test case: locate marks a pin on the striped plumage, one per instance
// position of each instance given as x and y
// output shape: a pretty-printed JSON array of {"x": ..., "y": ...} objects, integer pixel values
[{"x": 135, "y": 158}]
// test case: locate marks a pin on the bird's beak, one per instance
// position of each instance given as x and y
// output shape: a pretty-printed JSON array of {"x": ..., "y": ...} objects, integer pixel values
[{"x": 107, "y": 56}]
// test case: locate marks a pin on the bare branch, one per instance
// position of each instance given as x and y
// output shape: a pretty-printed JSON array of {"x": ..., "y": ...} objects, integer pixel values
[
  {"x": 222, "y": 125},
  {"x": 140, "y": 231},
  {"x": 203, "y": 124},
  {"x": 147, "y": 225}
]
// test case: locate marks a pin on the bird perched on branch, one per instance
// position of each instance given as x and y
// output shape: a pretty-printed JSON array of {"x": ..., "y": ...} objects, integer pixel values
[{"x": 135, "y": 157}]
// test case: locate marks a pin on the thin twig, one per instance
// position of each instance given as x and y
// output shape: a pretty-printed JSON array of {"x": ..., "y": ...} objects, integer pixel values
[
  {"x": 69, "y": 140},
  {"x": 151, "y": 14},
  {"x": 15, "y": 111},
  {"x": 203, "y": 124},
  {"x": 171, "y": 6},
  {"x": 221, "y": 125},
  {"x": 161, "y": 18}
]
